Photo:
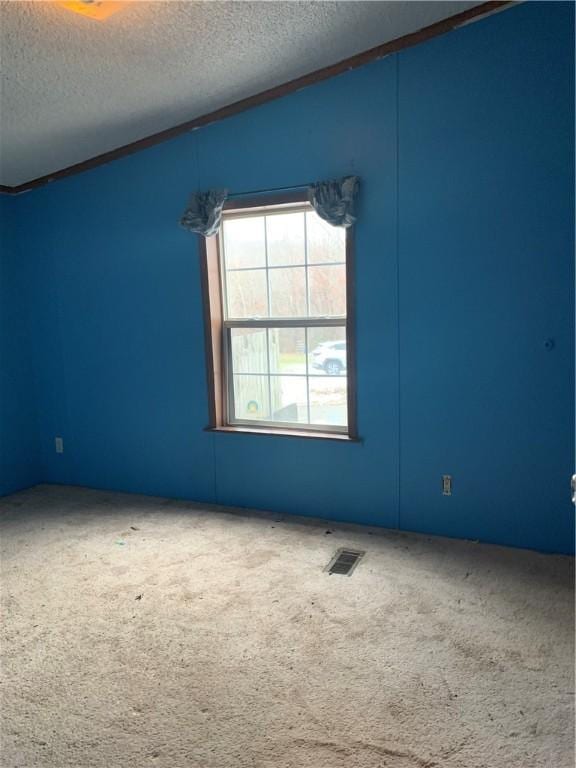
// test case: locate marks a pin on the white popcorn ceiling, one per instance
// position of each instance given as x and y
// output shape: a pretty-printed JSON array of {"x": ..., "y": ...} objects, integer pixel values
[{"x": 73, "y": 87}]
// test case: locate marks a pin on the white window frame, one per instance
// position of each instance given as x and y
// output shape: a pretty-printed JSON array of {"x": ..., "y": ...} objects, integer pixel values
[{"x": 273, "y": 323}]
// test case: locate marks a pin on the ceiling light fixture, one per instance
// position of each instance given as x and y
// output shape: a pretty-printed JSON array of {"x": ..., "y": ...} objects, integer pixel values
[{"x": 95, "y": 9}]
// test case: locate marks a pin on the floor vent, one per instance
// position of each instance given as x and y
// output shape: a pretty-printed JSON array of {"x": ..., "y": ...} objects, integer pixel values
[{"x": 344, "y": 561}]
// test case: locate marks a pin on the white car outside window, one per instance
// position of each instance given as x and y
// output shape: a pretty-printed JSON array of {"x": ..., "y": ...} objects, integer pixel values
[{"x": 330, "y": 356}]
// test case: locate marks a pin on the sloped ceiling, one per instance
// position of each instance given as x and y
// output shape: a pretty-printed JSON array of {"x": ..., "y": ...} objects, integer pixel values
[{"x": 73, "y": 87}]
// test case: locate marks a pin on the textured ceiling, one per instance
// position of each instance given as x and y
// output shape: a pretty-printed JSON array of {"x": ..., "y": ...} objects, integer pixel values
[{"x": 73, "y": 87}]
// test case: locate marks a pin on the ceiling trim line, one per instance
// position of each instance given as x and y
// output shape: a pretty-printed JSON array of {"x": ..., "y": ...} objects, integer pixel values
[{"x": 352, "y": 62}]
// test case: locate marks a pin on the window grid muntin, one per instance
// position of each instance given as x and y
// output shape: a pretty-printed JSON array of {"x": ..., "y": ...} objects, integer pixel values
[
  {"x": 318, "y": 321},
  {"x": 265, "y": 213},
  {"x": 310, "y": 378},
  {"x": 289, "y": 266},
  {"x": 307, "y": 357},
  {"x": 269, "y": 377},
  {"x": 307, "y": 283}
]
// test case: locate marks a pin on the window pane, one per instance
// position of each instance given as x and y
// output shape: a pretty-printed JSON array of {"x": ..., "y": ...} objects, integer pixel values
[
  {"x": 249, "y": 353},
  {"x": 285, "y": 238},
  {"x": 325, "y": 242},
  {"x": 244, "y": 244},
  {"x": 327, "y": 286},
  {"x": 287, "y": 350},
  {"x": 251, "y": 397},
  {"x": 327, "y": 351},
  {"x": 288, "y": 292},
  {"x": 289, "y": 399},
  {"x": 328, "y": 403},
  {"x": 246, "y": 293}
]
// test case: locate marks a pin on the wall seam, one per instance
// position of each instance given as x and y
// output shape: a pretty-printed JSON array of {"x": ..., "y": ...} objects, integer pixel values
[
  {"x": 399, "y": 379},
  {"x": 25, "y": 295},
  {"x": 66, "y": 428},
  {"x": 196, "y": 145}
]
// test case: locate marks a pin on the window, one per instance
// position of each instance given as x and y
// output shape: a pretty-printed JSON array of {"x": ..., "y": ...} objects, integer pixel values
[{"x": 277, "y": 294}]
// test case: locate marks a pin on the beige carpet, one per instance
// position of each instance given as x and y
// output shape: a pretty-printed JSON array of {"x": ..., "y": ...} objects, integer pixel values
[{"x": 147, "y": 632}]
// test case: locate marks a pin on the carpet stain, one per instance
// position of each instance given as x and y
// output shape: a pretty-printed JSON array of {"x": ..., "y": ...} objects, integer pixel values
[{"x": 363, "y": 753}]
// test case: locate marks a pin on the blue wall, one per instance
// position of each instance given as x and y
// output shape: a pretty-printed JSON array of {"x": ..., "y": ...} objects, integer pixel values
[
  {"x": 19, "y": 460},
  {"x": 464, "y": 269},
  {"x": 487, "y": 276}
]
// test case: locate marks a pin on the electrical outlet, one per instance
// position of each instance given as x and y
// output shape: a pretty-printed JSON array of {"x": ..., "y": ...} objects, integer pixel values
[
  {"x": 447, "y": 485},
  {"x": 59, "y": 444}
]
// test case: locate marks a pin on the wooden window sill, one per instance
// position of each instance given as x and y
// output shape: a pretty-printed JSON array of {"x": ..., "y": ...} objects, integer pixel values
[{"x": 242, "y": 430}]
